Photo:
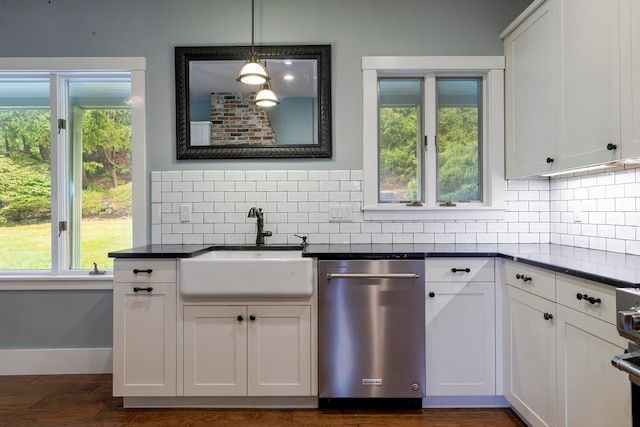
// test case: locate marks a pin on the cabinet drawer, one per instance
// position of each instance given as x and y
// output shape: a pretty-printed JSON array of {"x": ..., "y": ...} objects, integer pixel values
[
  {"x": 531, "y": 279},
  {"x": 144, "y": 270},
  {"x": 459, "y": 270},
  {"x": 588, "y": 297}
]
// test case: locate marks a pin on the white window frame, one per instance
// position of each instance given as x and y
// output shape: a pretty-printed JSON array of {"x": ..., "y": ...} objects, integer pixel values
[
  {"x": 491, "y": 68},
  {"x": 59, "y": 199}
]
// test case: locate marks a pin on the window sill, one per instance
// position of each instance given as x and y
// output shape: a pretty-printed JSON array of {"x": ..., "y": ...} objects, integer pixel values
[
  {"x": 460, "y": 212},
  {"x": 35, "y": 282}
]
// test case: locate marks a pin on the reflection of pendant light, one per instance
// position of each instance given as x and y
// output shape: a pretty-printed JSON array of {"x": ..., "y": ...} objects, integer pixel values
[
  {"x": 266, "y": 97},
  {"x": 253, "y": 72}
]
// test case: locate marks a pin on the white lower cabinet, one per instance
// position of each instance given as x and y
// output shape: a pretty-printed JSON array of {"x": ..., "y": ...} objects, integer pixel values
[
  {"x": 559, "y": 338},
  {"x": 460, "y": 339},
  {"x": 144, "y": 328},
  {"x": 235, "y": 350},
  {"x": 460, "y": 327},
  {"x": 590, "y": 391},
  {"x": 530, "y": 360}
]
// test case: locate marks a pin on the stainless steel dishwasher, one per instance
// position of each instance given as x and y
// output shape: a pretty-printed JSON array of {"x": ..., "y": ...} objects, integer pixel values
[{"x": 371, "y": 333}]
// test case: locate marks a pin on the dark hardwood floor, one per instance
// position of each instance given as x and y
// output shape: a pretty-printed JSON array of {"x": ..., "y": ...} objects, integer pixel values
[{"x": 85, "y": 400}]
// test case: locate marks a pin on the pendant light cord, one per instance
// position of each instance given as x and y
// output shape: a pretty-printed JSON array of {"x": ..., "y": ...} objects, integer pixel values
[{"x": 253, "y": 54}]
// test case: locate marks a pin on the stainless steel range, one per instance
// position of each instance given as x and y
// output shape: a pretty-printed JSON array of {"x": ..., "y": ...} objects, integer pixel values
[{"x": 628, "y": 323}]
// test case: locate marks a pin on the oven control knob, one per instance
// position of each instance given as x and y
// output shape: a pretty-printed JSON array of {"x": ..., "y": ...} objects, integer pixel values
[{"x": 628, "y": 320}]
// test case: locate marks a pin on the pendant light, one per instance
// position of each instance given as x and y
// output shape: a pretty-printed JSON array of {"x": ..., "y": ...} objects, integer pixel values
[
  {"x": 253, "y": 72},
  {"x": 266, "y": 97}
]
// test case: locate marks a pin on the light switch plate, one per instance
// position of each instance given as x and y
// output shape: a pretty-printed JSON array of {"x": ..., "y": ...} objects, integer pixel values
[{"x": 340, "y": 213}]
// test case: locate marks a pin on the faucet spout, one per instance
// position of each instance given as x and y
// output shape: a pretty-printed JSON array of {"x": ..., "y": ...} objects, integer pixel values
[{"x": 261, "y": 234}]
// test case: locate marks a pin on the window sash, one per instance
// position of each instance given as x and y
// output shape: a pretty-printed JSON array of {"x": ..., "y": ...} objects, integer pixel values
[
  {"x": 492, "y": 70},
  {"x": 56, "y": 69}
]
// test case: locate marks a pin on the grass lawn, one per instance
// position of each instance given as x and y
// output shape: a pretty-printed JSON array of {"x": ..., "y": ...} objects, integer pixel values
[{"x": 28, "y": 247}]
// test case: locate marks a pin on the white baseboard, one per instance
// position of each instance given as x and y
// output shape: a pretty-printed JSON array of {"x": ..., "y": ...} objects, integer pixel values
[{"x": 56, "y": 361}]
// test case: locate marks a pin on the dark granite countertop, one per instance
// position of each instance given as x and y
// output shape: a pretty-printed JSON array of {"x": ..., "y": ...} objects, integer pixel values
[
  {"x": 189, "y": 251},
  {"x": 610, "y": 268}
]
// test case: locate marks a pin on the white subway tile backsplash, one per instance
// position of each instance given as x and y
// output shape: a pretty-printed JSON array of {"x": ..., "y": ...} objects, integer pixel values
[
  {"x": 234, "y": 175},
  {"x": 298, "y": 175},
  {"x": 339, "y": 175},
  {"x": 297, "y": 201},
  {"x": 318, "y": 175},
  {"x": 381, "y": 238},
  {"x": 192, "y": 175},
  {"x": 171, "y": 176},
  {"x": 217, "y": 175},
  {"x": 275, "y": 175},
  {"x": 360, "y": 238},
  {"x": 329, "y": 185},
  {"x": 193, "y": 239},
  {"x": 256, "y": 176}
]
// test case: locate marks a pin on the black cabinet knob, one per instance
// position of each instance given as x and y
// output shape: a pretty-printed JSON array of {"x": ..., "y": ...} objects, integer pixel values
[
  {"x": 252, "y": 317},
  {"x": 240, "y": 318},
  {"x": 548, "y": 316},
  {"x": 432, "y": 294},
  {"x": 611, "y": 146},
  {"x": 523, "y": 277},
  {"x": 549, "y": 160}
]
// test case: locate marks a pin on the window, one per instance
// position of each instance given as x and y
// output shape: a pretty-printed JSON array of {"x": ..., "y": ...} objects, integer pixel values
[
  {"x": 433, "y": 137},
  {"x": 70, "y": 129}
]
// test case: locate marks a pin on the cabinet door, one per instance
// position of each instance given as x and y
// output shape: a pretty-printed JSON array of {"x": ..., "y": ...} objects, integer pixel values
[
  {"x": 530, "y": 357},
  {"x": 215, "y": 350},
  {"x": 590, "y": 84},
  {"x": 144, "y": 340},
  {"x": 590, "y": 391},
  {"x": 460, "y": 338},
  {"x": 279, "y": 354},
  {"x": 630, "y": 74},
  {"x": 530, "y": 95}
]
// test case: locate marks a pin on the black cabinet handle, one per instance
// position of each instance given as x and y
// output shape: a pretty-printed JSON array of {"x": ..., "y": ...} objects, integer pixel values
[
  {"x": 586, "y": 297},
  {"x": 240, "y": 318},
  {"x": 466, "y": 270},
  {"x": 432, "y": 294},
  {"x": 548, "y": 316},
  {"x": 611, "y": 146},
  {"x": 252, "y": 317},
  {"x": 549, "y": 160},
  {"x": 523, "y": 277},
  {"x": 137, "y": 289},
  {"x": 148, "y": 271}
]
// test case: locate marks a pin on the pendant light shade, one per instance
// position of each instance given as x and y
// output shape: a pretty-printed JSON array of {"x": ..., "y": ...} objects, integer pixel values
[
  {"x": 253, "y": 72},
  {"x": 266, "y": 97}
]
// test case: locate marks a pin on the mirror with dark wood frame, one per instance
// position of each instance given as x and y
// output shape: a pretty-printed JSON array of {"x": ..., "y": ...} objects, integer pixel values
[{"x": 216, "y": 116}]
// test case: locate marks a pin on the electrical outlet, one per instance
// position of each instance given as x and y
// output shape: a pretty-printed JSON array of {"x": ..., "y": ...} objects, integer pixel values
[
  {"x": 577, "y": 216},
  {"x": 185, "y": 213}
]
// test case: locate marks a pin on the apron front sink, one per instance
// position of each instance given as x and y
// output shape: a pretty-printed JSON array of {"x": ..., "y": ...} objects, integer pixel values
[{"x": 246, "y": 273}]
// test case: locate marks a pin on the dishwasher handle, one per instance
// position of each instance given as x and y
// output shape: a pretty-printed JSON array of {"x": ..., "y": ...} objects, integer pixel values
[{"x": 372, "y": 276}]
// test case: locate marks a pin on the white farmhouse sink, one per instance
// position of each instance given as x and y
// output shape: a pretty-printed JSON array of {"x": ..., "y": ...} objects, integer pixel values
[{"x": 246, "y": 273}]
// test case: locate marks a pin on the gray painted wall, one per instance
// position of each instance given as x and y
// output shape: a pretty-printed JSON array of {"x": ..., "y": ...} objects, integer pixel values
[{"x": 152, "y": 28}]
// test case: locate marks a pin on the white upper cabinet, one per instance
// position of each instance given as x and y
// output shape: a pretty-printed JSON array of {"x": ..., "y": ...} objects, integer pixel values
[
  {"x": 530, "y": 107},
  {"x": 630, "y": 75},
  {"x": 572, "y": 85},
  {"x": 590, "y": 82}
]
